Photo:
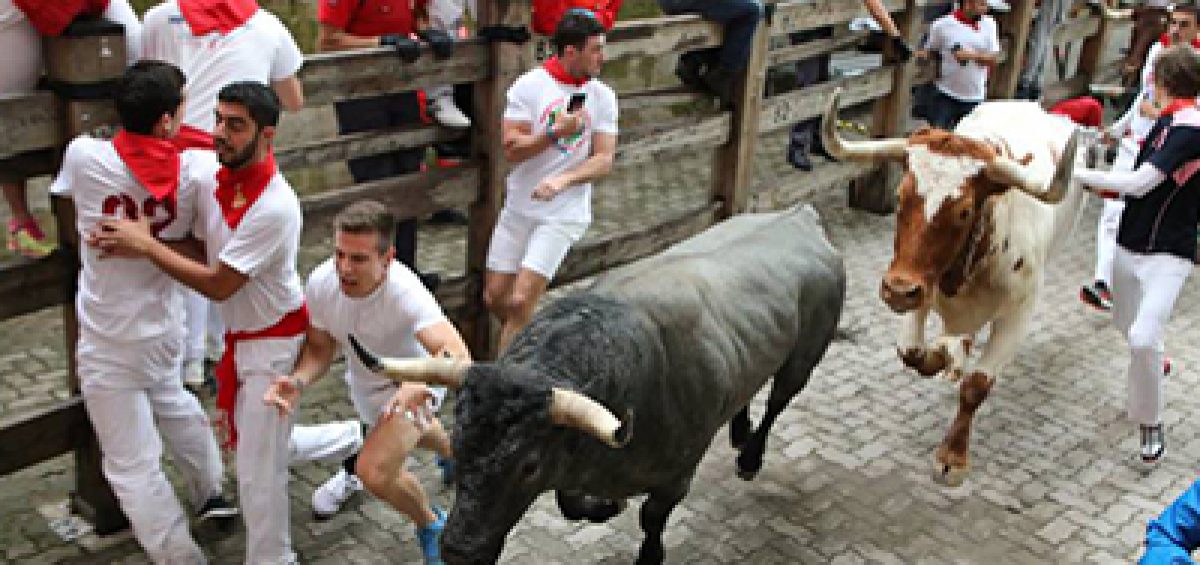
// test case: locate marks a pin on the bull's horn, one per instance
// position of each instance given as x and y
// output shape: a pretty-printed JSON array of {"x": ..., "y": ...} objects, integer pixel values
[
  {"x": 573, "y": 410},
  {"x": 1008, "y": 172},
  {"x": 867, "y": 150},
  {"x": 1113, "y": 14},
  {"x": 445, "y": 372}
]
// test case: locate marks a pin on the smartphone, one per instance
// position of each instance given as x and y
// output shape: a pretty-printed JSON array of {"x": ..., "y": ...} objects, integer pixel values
[{"x": 576, "y": 101}]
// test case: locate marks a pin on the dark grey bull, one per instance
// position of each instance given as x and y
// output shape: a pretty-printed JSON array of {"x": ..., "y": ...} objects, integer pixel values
[{"x": 676, "y": 345}]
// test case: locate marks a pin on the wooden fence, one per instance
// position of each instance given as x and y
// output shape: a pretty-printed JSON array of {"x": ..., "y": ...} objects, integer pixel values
[{"x": 33, "y": 127}]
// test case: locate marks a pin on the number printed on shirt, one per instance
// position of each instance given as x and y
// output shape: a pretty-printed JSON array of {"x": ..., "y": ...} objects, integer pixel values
[{"x": 127, "y": 207}]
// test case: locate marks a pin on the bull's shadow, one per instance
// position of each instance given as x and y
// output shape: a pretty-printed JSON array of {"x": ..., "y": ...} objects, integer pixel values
[{"x": 648, "y": 364}]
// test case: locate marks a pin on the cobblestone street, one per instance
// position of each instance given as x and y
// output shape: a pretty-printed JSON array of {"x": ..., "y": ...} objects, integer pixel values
[{"x": 847, "y": 478}]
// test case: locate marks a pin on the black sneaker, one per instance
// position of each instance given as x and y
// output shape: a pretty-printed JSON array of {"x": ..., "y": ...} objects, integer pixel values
[
  {"x": 1153, "y": 443},
  {"x": 217, "y": 508},
  {"x": 1097, "y": 295}
]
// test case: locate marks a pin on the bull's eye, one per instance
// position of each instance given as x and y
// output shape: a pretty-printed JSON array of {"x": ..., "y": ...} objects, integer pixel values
[
  {"x": 529, "y": 469},
  {"x": 965, "y": 214}
]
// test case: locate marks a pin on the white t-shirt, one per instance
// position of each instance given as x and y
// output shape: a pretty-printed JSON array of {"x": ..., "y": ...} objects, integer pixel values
[
  {"x": 536, "y": 98},
  {"x": 386, "y": 322},
  {"x": 964, "y": 82},
  {"x": 124, "y": 300},
  {"x": 263, "y": 247},
  {"x": 261, "y": 50}
]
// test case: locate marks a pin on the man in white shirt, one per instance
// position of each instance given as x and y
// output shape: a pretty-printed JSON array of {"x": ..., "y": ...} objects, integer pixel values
[
  {"x": 558, "y": 150},
  {"x": 250, "y": 224},
  {"x": 128, "y": 350},
  {"x": 216, "y": 42},
  {"x": 363, "y": 291},
  {"x": 969, "y": 48}
]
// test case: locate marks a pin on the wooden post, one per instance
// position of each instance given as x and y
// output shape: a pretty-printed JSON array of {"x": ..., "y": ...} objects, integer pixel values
[
  {"x": 1092, "y": 51},
  {"x": 507, "y": 62},
  {"x": 733, "y": 170},
  {"x": 891, "y": 116},
  {"x": 92, "y": 498},
  {"x": 1018, "y": 22}
]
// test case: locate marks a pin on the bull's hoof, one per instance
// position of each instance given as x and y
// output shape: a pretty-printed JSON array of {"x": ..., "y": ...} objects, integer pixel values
[
  {"x": 925, "y": 362},
  {"x": 739, "y": 432},
  {"x": 747, "y": 469},
  {"x": 949, "y": 470},
  {"x": 746, "y": 474}
]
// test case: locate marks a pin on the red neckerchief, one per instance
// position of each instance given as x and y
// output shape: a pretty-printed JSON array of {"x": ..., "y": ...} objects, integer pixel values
[
  {"x": 154, "y": 162},
  {"x": 192, "y": 138},
  {"x": 292, "y": 324},
  {"x": 206, "y": 16},
  {"x": 1177, "y": 105},
  {"x": 1165, "y": 40},
  {"x": 966, "y": 20},
  {"x": 560, "y": 74},
  {"x": 237, "y": 191},
  {"x": 51, "y": 17}
]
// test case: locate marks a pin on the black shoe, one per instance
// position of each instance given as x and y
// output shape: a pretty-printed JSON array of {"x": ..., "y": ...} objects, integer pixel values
[
  {"x": 430, "y": 280},
  {"x": 1097, "y": 295},
  {"x": 798, "y": 157},
  {"x": 217, "y": 508},
  {"x": 1153, "y": 443},
  {"x": 448, "y": 217},
  {"x": 690, "y": 71},
  {"x": 721, "y": 81}
]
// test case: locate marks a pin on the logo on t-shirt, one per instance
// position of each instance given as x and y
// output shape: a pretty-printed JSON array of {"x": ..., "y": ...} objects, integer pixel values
[{"x": 550, "y": 116}]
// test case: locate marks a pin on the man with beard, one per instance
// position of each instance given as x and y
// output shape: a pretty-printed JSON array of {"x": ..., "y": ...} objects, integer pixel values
[
  {"x": 250, "y": 224},
  {"x": 128, "y": 350},
  {"x": 363, "y": 291}
]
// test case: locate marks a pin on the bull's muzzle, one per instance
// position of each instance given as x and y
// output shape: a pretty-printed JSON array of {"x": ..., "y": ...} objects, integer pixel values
[{"x": 901, "y": 293}]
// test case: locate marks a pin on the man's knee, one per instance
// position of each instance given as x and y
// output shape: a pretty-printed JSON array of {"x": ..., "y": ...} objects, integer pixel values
[{"x": 522, "y": 303}]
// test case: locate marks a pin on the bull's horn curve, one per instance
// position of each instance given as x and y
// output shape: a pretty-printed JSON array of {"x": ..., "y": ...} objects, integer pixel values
[
  {"x": 1006, "y": 171},
  {"x": 571, "y": 409},
  {"x": 846, "y": 150},
  {"x": 445, "y": 372}
]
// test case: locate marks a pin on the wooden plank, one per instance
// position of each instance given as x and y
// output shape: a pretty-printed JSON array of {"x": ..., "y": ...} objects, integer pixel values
[
  {"x": 786, "y": 109},
  {"x": 661, "y": 36},
  {"x": 660, "y": 98},
  {"x": 31, "y": 122},
  {"x": 28, "y": 286},
  {"x": 640, "y": 146},
  {"x": 892, "y": 111},
  {"x": 807, "y": 14},
  {"x": 33, "y": 437},
  {"x": 1076, "y": 29},
  {"x": 734, "y": 165},
  {"x": 1016, "y": 26},
  {"x": 329, "y": 77},
  {"x": 408, "y": 196},
  {"x": 824, "y": 177},
  {"x": 454, "y": 296},
  {"x": 346, "y": 147},
  {"x": 814, "y": 48},
  {"x": 593, "y": 256}
]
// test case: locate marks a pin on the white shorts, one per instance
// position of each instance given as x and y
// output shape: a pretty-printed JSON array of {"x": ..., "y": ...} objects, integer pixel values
[{"x": 538, "y": 245}]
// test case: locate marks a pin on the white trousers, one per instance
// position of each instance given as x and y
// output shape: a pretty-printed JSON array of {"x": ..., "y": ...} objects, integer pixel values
[
  {"x": 1106, "y": 238},
  {"x": 203, "y": 321},
  {"x": 1144, "y": 291},
  {"x": 129, "y": 407},
  {"x": 268, "y": 442}
]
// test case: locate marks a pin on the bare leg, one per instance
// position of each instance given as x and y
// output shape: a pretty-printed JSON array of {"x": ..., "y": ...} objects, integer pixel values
[
  {"x": 381, "y": 468},
  {"x": 526, "y": 292},
  {"x": 497, "y": 296}
]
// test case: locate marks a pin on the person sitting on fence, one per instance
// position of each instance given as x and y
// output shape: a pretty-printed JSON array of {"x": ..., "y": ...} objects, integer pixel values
[
  {"x": 250, "y": 221},
  {"x": 216, "y": 42},
  {"x": 969, "y": 47},
  {"x": 363, "y": 292},
  {"x": 21, "y": 22},
  {"x": 1156, "y": 239},
  {"x": 718, "y": 70},
  {"x": 128, "y": 352},
  {"x": 560, "y": 132}
]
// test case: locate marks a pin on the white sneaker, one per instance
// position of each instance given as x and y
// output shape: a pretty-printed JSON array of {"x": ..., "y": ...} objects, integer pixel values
[
  {"x": 193, "y": 374},
  {"x": 445, "y": 112},
  {"x": 330, "y": 496},
  {"x": 998, "y": 6}
]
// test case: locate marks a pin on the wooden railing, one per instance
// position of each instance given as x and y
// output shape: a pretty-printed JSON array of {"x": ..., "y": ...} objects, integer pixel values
[{"x": 31, "y": 131}]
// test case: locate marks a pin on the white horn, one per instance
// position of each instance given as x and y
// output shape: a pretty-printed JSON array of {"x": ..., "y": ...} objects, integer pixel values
[
  {"x": 1008, "y": 172},
  {"x": 571, "y": 409},
  {"x": 867, "y": 150},
  {"x": 445, "y": 372}
]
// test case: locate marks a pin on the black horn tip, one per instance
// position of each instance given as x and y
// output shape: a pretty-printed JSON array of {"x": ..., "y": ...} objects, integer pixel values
[
  {"x": 624, "y": 433},
  {"x": 369, "y": 360}
]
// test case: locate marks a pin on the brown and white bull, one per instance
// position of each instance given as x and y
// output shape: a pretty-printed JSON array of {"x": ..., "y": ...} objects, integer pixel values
[{"x": 979, "y": 211}]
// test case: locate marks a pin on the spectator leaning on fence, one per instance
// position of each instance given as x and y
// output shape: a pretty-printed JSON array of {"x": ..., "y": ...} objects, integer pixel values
[
  {"x": 21, "y": 22},
  {"x": 558, "y": 149},
  {"x": 250, "y": 221},
  {"x": 968, "y": 45},
  {"x": 129, "y": 316},
  {"x": 362, "y": 291},
  {"x": 216, "y": 42},
  {"x": 718, "y": 70}
]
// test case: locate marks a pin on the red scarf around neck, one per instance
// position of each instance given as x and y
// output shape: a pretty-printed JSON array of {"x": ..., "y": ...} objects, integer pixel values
[
  {"x": 557, "y": 71},
  {"x": 51, "y": 17},
  {"x": 153, "y": 161},
  {"x": 1177, "y": 105},
  {"x": 190, "y": 137},
  {"x": 206, "y": 16},
  {"x": 238, "y": 190},
  {"x": 966, "y": 20}
]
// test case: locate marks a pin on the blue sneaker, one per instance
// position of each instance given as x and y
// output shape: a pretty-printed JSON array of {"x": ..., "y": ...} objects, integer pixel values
[
  {"x": 447, "y": 467},
  {"x": 430, "y": 538}
]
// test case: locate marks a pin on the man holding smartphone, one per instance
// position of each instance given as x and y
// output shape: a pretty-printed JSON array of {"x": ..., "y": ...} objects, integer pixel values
[
  {"x": 969, "y": 47},
  {"x": 560, "y": 132}
]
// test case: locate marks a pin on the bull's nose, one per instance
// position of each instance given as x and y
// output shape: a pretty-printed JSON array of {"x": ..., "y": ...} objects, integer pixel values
[{"x": 901, "y": 293}]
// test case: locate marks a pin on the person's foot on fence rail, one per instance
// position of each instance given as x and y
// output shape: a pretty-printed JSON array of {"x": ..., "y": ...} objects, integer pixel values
[
  {"x": 721, "y": 81},
  {"x": 446, "y": 112}
]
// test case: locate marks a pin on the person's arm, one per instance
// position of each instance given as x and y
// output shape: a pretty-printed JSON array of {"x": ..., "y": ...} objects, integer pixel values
[
  {"x": 881, "y": 16},
  {"x": 599, "y": 164},
  {"x": 330, "y": 38},
  {"x": 520, "y": 143},
  {"x": 315, "y": 358},
  {"x": 1175, "y": 534},
  {"x": 1132, "y": 183},
  {"x": 441, "y": 340},
  {"x": 290, "y": 92}
]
